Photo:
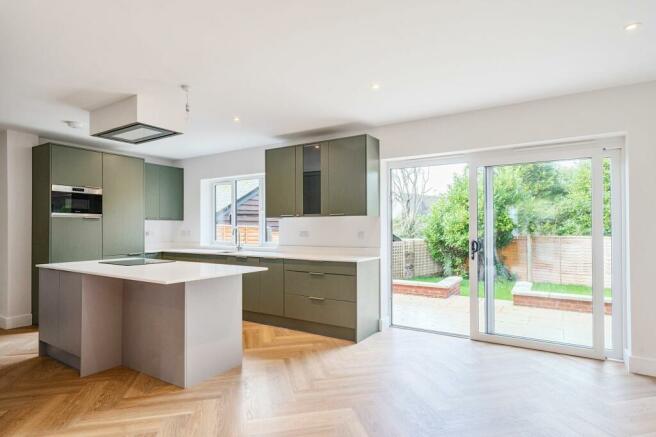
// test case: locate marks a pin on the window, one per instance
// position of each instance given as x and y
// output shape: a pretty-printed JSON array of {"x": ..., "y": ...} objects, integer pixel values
[{"x": 239, "y": 205}]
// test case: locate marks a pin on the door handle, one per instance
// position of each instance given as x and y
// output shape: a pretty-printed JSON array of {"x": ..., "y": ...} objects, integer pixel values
[
  {"x": 475, "y": 248},
  {"x": 316, "y": 299}
]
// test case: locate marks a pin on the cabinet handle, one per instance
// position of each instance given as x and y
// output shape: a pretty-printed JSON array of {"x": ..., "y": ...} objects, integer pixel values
[
  {"x": 316, "y": 299},
  {"x": 336, "y": 213},
  {"x": 242, "y": 258},
  {"x": 316, "y": 273},
  {"x": 135, "y": 254}
]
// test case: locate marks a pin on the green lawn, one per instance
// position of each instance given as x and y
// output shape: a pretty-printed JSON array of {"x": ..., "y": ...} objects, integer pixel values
[{"x": 503, "y": 289}]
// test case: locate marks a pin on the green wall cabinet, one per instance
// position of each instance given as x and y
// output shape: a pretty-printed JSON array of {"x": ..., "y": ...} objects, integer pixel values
[
  {"x": 164, "y": 198},
  {"x": 75, "y": 167},
  {"x": 152, "y": 191},
  {"x": 280, "y": 182},
  {"x": 337, "y": 177},
  {"x": 123, "y": 205}
]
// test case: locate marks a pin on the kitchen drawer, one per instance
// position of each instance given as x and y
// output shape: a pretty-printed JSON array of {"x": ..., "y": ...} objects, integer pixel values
[
  {"x": 192, "y": 257},
  {"x": 243, "y": 260},
  {"x": 326, "y": 311},
  {"x": 325, "y": 285},
  {"x": 320, "y": 267}
]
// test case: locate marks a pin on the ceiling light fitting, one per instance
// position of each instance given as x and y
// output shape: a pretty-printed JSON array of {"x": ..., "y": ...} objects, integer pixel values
[
  {"x": 632, "y": 26},
  {"x": 74, "y": 124}
]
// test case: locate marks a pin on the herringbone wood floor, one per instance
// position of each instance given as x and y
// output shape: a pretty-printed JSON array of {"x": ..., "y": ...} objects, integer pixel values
[{"x": 396, "y": 383}]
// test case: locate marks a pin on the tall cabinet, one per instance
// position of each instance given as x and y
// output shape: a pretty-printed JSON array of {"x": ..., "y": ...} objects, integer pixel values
[
  {"x": 123, "y": 206},
  {"x": 338, "y": 177},
  {"x": 120, "y": 230}
]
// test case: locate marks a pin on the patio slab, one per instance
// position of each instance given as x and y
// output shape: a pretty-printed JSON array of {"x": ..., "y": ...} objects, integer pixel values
[{"x": 452, "y": 315}]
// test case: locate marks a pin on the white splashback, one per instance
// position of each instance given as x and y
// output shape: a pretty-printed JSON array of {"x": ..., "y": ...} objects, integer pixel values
[
  {"x": 343, "y": 232},
  {"x": 161, "y": 233}
]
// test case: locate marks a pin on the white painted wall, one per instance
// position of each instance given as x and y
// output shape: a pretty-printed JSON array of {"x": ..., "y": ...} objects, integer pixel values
[
  {"x": 15, "y": 227},
  {"x": 627, "y": 110}
]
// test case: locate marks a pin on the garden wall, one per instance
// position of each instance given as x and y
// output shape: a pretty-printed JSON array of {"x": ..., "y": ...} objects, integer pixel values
[{"x": 555, "y": 259}]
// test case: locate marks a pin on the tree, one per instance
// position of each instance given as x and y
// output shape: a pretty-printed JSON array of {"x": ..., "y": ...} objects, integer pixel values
[
  {"x": 409, "y": 188},
  {"x": 529, "y": 199}
]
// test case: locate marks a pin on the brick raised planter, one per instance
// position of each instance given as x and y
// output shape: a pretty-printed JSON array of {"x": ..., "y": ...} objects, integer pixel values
[
  {"x": 557, "y": 301},
  {"x": 443, "y": 289}
]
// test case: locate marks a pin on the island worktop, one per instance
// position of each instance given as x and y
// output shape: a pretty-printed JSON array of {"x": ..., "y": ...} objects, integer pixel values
[
  {"x": 164, "y": 273},
  {"x": 178, "y": 321}
]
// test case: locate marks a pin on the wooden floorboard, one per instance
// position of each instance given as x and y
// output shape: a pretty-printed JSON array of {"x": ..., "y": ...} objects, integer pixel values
[{"x": 396, "y": 383}]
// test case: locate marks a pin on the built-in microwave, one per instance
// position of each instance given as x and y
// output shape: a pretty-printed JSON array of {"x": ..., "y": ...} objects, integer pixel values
[{"x": 67, "y": 201}]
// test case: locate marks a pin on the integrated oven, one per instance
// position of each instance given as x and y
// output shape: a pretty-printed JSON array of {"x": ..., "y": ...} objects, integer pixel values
[{"x": 67, "y": 201}]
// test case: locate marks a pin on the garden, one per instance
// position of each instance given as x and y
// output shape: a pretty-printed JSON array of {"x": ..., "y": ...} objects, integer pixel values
[{"x": 542, "y": 233}]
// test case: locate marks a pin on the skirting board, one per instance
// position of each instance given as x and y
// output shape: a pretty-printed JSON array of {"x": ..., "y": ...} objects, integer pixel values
[
  {"x": 15, "y": 321},
  {"x": 641, "y": 365}
]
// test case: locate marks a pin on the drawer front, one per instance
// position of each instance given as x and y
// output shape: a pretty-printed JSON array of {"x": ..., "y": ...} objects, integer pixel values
[
  {"x": 320, "y": 267},
  {"x": 327, "y": 311},
  {"x": 325, "y": 285},
  {"x": 192, "y": 257},
  {"x": 243, "y": 260}
]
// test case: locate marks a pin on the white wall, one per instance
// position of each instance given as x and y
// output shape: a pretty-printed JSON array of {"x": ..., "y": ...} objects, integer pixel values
[
  {"x": 15, "y": 228},
  {"x": 629, "y": 111}
]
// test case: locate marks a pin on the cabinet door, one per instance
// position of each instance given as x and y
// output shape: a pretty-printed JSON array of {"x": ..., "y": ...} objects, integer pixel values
[
  {"x": 171, "y": 188},
  {"x": 250, "y": 284},
  {"x": 272, "y": 292},
  {"x": 76, "y": 167},
  {"x": 280, "y": 180},
  {"x": 347, "y": 177},
  {"x": 75, "y": 239},
  {"x": 123, "y": 205},
  {"x": 152, "y": 191}
]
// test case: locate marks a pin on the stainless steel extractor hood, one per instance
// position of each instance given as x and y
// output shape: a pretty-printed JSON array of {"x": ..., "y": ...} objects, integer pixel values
[
  {"x": 136, "y": 133},
  {"x": 138, "y": 119}
]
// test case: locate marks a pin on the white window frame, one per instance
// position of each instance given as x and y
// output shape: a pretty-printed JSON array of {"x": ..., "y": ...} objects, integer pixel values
[{"x": 233, "y": 180}]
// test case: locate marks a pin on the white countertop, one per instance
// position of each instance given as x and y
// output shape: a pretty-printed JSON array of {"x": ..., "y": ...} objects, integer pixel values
[
  {"x": 163, "y": 273},
  {"x": 308, "y": 256}
]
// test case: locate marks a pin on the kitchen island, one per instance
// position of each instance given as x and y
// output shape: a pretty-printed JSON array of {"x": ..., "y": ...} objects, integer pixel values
[{"x": 177, "y": 321}]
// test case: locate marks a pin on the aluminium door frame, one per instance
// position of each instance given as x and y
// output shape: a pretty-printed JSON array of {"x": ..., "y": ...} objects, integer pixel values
[{"x": 596, "y": 151}]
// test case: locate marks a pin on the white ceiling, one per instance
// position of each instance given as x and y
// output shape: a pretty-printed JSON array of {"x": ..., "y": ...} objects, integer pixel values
[{"x": 291, "y": 67}]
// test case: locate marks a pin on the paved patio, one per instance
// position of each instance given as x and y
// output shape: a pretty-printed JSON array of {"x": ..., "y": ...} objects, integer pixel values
[{"x": 452, "y": 315}]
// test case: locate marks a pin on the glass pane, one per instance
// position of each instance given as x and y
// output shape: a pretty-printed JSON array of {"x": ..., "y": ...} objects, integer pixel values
[
  {"x": 312, "y": 179},
  {"x": 542, "y": 259},
  {"x": 430, "y": 248},
  {"x": 223, "y": 212},
  {"x": 608, "y": 256},
  {"x": 248, "y": 211},
  {"x": 272, "y": 230}
]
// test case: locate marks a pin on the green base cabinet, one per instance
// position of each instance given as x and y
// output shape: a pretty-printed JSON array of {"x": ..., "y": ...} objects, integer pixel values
[{"x": 335, "y": 299}]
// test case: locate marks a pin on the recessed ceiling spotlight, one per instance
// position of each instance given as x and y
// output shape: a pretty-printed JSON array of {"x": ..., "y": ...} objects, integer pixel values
[
  {"x": 375, "y": 86},
  {"x": 236, "y": 119},
  {"x": 632, "y": 26},
  {"x": 74, "y": 124}
]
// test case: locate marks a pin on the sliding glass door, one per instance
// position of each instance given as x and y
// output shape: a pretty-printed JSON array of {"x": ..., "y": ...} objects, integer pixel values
[{"x": 543, "y": 228}]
